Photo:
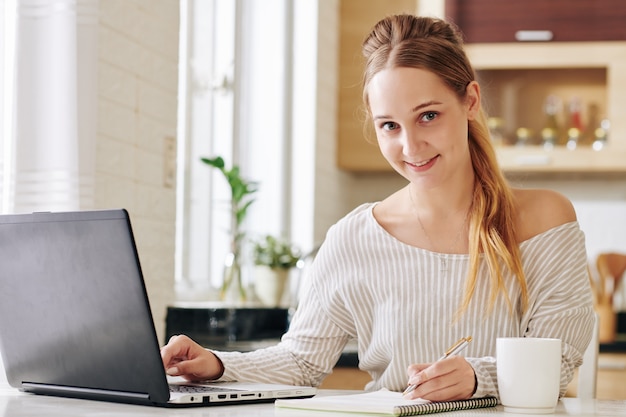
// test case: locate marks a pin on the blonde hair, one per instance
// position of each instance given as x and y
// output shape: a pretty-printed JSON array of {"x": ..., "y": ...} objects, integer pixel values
[{"x": 437, "y": 46}]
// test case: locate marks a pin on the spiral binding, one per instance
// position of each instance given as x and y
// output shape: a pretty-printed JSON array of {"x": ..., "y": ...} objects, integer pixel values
[{"x": 443, "y": 406}]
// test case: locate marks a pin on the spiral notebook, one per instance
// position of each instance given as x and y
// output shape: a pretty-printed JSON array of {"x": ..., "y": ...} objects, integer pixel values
[{"x": 384, "y": 402}]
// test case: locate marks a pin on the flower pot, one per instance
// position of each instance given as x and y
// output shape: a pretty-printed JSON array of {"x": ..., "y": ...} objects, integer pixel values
[{"x": 269, "y": 284}]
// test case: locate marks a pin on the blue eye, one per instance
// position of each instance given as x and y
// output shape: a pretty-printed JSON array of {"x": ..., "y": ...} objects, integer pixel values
[
  {"x": 429, "y": 116},
  {"x": 389, "y": 126}
]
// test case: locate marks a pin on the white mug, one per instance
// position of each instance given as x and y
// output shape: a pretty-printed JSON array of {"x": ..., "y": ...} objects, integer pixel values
[{"x": 529, "y": 374}]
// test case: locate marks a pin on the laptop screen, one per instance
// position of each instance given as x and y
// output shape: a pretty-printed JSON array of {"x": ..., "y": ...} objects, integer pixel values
[{"x": 73, "y": 306}]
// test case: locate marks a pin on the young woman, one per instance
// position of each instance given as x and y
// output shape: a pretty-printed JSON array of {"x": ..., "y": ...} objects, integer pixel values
[{"x": 457, "y": 252}]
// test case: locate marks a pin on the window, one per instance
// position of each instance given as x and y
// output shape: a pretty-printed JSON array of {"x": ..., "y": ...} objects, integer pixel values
[{"x": 236, "y": 102}]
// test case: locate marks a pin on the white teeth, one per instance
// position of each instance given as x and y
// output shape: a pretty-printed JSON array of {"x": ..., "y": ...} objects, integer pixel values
[{"x": 420, "y": 164}]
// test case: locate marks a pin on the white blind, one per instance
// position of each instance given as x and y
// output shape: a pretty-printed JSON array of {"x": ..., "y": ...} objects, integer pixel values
[
  {"x": 7, "y": 42},
  {"x": 54, "y": 132}
]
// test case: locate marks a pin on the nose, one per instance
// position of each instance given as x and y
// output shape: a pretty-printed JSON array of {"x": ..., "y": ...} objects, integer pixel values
[{"x": 411, "y": 142}]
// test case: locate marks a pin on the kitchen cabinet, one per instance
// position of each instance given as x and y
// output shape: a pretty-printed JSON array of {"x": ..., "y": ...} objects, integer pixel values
[
  {"x": 584, "y": 60},
  {"x": 356, "y": 148},
  {"x": 560, "y": 20},
  {"x": 346, "y": 378},
  {"x": 516, "y": 78}
]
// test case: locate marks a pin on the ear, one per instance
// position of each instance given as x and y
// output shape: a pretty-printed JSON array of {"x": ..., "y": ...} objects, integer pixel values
[{"x": 472, "y": 100}]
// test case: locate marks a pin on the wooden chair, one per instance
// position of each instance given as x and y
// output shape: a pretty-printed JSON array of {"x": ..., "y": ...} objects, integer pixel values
[{"x": 611, "y": 267}]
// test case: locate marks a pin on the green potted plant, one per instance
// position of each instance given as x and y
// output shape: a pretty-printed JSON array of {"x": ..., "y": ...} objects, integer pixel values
[
  {"x": 273, "y": 258},
  {"x": 240, "y": 201}
]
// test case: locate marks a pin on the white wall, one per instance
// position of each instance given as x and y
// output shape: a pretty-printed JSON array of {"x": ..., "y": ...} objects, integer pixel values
[
  {"x": 331, "y": 184},
  {"x": 137, "y": 99},
  {"x": 600, "y": 205}
]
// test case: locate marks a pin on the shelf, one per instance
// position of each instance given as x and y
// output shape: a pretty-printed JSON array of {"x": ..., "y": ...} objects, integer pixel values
[
  {"x": 535, "y": 159},
  {"x": 547, "y": 55}
]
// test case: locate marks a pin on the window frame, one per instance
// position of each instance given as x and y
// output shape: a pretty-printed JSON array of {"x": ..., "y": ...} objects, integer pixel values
[{"x": 259, "y": 133}]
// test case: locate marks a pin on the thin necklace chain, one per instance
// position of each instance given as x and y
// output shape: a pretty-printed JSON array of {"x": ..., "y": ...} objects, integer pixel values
[{"x": 442, "y": 257}]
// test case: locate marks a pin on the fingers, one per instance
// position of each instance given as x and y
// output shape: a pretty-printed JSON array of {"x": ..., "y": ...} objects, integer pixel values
[
  {"x": 177, "y": 349},
  {"x": 416, "y": 376},
  {"x": 184, "y": 357},
  {"x": 449, "y": 379},
  {"x": 189, "y": 369}
]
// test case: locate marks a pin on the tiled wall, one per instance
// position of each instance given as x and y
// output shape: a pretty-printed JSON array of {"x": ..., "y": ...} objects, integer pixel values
[
  {"x": 137, "y": 99},
  {"x": 331, "y": 183}
]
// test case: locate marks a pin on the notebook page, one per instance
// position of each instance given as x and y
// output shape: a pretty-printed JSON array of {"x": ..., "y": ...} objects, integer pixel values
[{"x": 382, "y": 401}]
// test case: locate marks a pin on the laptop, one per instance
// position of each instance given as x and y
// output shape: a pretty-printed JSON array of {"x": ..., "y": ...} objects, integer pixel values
[{"x": 75, "y": 319}]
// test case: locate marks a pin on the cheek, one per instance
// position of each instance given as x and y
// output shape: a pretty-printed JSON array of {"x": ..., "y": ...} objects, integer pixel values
[
  {"x": 386, "y": 145},
  {"x": 383, "y": 145},
  {"x": 458, "y": 134}
]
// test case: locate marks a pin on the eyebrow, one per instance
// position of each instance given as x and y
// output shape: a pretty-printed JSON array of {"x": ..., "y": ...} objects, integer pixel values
[{"x": 413, "y": 110}]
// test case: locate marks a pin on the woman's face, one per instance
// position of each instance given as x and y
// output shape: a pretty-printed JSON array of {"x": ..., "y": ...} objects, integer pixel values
[{"x": 421, "y": 125}]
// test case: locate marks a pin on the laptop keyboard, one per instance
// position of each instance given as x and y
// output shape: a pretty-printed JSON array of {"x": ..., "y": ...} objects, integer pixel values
[{"x": 195, "y": 389}]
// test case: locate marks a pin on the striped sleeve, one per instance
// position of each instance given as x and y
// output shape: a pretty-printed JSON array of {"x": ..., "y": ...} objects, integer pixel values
[{"x": 306, "y": 354}]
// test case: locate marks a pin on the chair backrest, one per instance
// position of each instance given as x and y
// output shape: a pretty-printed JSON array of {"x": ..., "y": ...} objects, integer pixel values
[
  {"x": 588, "y": 371},
  {"x": 611, "y": 267}
]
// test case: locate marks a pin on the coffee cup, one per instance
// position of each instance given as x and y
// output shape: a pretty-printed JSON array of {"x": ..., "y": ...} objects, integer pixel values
[{"x": 529, "y": 374}]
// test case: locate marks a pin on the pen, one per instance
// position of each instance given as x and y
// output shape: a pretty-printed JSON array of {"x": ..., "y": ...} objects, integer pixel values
[{"x": 452, "y": 350}]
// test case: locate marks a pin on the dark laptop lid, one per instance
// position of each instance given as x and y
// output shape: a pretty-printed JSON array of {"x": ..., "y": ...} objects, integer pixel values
[{"x": 74, "y": 313}]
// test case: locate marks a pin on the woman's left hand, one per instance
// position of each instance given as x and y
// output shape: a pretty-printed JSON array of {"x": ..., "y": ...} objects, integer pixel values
[{"x": 449, "y": 379}]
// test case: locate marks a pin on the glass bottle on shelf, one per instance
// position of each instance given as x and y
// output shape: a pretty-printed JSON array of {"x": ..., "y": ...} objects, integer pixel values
[
  {"x": 551, "y": 131},
  {"x": 496, "y": 126},
  {"x": 601, "y": 135},
  {"x": 588, "y": 135},
  {"x": 522, "y": 135},
  {"x": 573, "y": 135},
  {"x": 575, "y": 123},
  {"x": 549, "y": 138}
]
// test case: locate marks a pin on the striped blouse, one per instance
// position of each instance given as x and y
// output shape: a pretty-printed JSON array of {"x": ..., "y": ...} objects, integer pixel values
[{"x": 398, "y": 302}]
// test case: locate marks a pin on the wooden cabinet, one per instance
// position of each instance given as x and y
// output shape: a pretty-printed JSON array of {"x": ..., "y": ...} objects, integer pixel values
[
  {"x": 356, "y": 149},
  {"x": 516, "y": 78},
  {"x": 346, "y": 378},
  {"x": 563, "y": 20}
]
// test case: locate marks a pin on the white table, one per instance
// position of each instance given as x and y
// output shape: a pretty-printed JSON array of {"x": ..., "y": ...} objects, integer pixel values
[{"x": 17, "y": 404}]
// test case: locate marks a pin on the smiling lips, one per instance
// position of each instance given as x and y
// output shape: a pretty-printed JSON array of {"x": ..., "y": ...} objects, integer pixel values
[{"x": 424, "y": 165}]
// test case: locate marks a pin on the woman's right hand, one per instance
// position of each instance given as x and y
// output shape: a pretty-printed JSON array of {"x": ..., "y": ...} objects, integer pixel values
[{"x": 184, "y": 357}]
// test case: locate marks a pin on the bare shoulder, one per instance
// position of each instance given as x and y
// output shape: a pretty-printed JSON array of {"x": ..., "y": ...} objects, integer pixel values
[{"x": 539, "y": 210}]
